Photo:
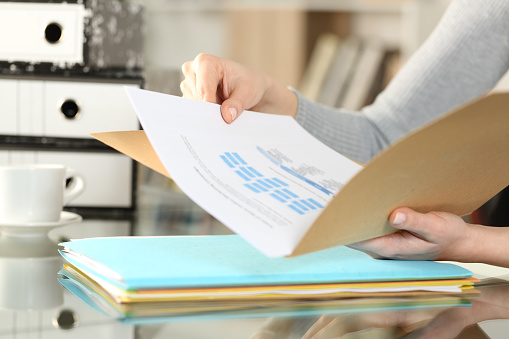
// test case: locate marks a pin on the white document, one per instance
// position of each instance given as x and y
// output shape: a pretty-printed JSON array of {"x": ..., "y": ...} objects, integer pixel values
[{"x": 263, "y": 176}]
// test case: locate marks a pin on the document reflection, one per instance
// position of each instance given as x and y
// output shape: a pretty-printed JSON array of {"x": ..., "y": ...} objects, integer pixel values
[{"x": 440, "y": 322}]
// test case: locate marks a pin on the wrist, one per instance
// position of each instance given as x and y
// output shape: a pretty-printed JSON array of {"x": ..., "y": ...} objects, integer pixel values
[
  {"x": 469, "y": 248},
  {"x": 279, "y": 99},
  {"x": 484, "y": 244}
]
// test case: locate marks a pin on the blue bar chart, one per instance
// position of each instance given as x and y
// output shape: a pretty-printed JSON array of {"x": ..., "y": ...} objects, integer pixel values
[{"x": 278, "y": 189}]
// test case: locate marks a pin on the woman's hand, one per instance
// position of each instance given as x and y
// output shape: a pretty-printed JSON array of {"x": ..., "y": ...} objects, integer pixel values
[
  {"x": 429, "y": 236},
  {"x": 235, "y": 87}
]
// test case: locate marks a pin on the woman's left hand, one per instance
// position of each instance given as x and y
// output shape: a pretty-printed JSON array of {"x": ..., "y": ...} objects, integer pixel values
[{"x": 422, "y": 236}]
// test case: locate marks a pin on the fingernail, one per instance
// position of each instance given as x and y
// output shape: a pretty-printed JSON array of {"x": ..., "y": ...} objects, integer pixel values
[
  {"x": 233, "y": 112},
  {"x": 399, "y": 219}
]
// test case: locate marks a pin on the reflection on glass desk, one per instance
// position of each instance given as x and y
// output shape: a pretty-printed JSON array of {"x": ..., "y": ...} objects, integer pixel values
[{"x": 34, "y": 305}]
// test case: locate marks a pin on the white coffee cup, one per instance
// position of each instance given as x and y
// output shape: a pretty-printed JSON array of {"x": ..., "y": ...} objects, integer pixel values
[{"x": 31, "y": 193}]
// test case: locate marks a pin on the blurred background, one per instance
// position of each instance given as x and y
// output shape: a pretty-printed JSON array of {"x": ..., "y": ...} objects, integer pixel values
[{"x": 280, "y": 36}]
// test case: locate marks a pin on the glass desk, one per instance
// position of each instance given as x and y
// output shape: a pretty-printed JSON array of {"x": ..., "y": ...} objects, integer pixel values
[{"x": 34, "y": 305}]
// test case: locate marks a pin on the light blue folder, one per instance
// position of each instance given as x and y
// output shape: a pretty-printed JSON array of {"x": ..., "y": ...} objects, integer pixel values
[{"x": 228, "y": 260}]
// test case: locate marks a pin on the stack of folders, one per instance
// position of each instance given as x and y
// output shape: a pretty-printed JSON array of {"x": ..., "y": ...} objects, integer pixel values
[{"x": 133, "y": 278}]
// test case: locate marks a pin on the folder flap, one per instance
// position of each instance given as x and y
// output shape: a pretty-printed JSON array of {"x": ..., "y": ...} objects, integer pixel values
[
  {"x": 134, "y": 144},
  {"x": 454, "y": 165}
]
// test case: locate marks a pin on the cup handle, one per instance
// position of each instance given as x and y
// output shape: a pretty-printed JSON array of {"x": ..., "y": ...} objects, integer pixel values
[{"x": 76, "y": 186}]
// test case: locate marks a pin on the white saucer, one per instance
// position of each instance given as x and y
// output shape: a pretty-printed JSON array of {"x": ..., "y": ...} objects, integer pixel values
[{"x": 37, "y": 228}]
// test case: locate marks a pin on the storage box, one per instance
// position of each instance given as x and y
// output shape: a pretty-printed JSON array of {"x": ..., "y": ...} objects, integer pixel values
[
  {"x": 65, "y": 107},
  {"x": 73, "y": 36}
]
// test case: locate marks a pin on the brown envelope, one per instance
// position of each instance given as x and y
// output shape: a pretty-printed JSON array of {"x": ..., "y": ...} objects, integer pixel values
[{"x": 454, "y": 165}]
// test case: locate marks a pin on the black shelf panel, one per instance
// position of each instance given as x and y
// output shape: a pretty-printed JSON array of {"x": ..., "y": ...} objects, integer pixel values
[{"x": 40, "y": 143}]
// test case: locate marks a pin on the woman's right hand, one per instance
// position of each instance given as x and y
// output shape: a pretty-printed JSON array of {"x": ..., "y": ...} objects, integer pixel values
[{"x": 235, "y": 87}]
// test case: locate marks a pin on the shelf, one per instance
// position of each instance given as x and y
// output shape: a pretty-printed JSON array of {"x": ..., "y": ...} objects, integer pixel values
[{"x": 355, "y": 6}]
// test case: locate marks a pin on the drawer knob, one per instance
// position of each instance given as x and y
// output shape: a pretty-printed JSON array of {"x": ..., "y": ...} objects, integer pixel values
[
  {"x": 66, "y": 320},
  {"x": 70, "y": 109},
  {"x": 53, "y": 33}
]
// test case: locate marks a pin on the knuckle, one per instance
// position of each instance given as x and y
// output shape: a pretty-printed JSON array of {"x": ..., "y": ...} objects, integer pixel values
[
  {"x": 209, "y": 62},
  {"x": 183, "y": 87},
  {"x": 203, "y": 57},
  {"x": 186, "y": 67}
]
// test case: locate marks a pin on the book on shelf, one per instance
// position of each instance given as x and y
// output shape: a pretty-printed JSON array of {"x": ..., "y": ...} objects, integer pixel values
[
  {"x": 341, "y": 72},
  {"x": 287, "y": 194},
  {"x": 390, "y": 66},
  {"x": 347, "y": 73},
  {"x": 364, "y": 76},
  {"x": 319, "y": 65}
]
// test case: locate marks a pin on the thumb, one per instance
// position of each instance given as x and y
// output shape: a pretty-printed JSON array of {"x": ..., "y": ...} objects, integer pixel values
[
  {"x": 241, "y": 97},
  {"x": 424, "y": 225},
  {"x": 230, "y": 110}
]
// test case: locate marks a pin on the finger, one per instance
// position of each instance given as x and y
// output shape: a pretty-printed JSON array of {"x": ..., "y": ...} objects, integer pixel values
[
  {"x": 188, "y": 85},
  {"x": 387, "y": 246},
  {"x": 229, "y": 111},
  {"x": 187, "y": 69},
  {"x": 328, "y": 327},
  {"x": 447, "y": 324},
  {"x": 424, "y": 225},
  {"x": 318, "y": 326},
  {"x": 275, "y": 328},
  {"x": 209, "y": 75},
  {"x": 186, "y": 91},
  {"x": 401, "y": 245},
  {"x": 240, "y": 98}
]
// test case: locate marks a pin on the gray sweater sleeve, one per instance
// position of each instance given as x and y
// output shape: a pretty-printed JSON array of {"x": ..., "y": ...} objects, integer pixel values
[{"x": 462, "y": 59}]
